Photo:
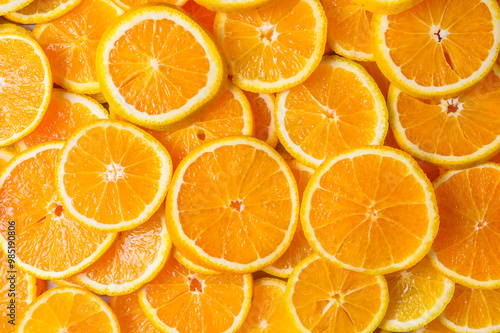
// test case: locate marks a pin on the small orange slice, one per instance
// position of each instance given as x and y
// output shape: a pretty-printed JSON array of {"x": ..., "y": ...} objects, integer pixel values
[
  {"x": 127, "y": 4},
  {"x": 262, "y": 106},
  {"x": 179, "y": 300},
  {"x": 130, "y": 315},
  {"x": 201, "y": 14},
  {"x": 325, "y": 298},
  {"x": 41, "y": 11},
  {"x": 434, "y": 326},
  {"x": 68, "y": 309}
]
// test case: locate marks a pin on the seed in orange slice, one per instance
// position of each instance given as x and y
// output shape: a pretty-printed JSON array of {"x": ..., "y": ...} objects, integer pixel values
[
  {"x": 192, "y": 265},
  {"x": 167, "y": 82},
  {"x": 66, "y": 112},
  {"x": 231, "y": 6},
  {"x": 127, "y": 4},
  {"x": 201, "y": 14},
  {"x": 464, "y": 248},
  {"x": 434, "y": 326},
  {"x": 6, "y": 154},
  {"x": 49, "y": 244},
  {"x": 349, "y": 29},
  {"x": 370, "y": 209},
  {"x": 444, "y": 56},
  {"x": 112, "y": 176},
  {"x": 68, "y": 309},
  {"x": 275, "y": 48},
  {"x": 130, "y": 315},
  {"x": 182, "y": 301},
  {"x": 338, "y": 107},
  {"x": 70, "y": 42},
  {"x": 322, "y": 297},
  {"x": 25, "y": 86},
  {"x": 473, "y": 310},
  {"x": 387, "y": 6},
  {"x": 41, "y": 11},
  {"x": 263, "y": 106},
  {"x": 375, "y": 72}
]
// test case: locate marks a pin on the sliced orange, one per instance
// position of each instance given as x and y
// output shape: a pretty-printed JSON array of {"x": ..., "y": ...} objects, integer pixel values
[
  {"x": 13, "y": 28},
  {"x": 375, "y": 72},
  {"x": 387, "y": 6},
  {"x": 233, "y": 205},
  {"x": 66, "y": 112},
  {"x": 41, "y": 11},
  {"x": 49, "y": 244},
  {"x": 235, "y": 6},
  {"x": 112, "y": 176},
  {"x": 68, "y": 309},
  {"x": 191, "y": 265},
  {"x": 201, "y": 14},
  {"x": 444, "y": 56},
  {"x": 159, "y": 68},
  {"x": 473, "y": 310},
  {"x": 6, "y": 154},
  {"x": 453, "y": 133},
  {"x": 338, "y": 107},
  {"x": 325, "y": 298},
  {"x": 349, "y": 29},
  {"x": 127, "y": 4},
  {"x": 370, "y": 209},
  {"x": 8, "y": 6},
  {"x": 417, "y": 296},
  {"x": 130, "y": 315},
  {"x": 434, "y": 326},
  {"x": 464, "y": 248},
  {"x": 182, "y": 301},
  {"x": 275, "y": 48},
  {"x": 262, "y": 106},
  {"x": 268, "y": 312},
  {"x": 25, "y": 86}
]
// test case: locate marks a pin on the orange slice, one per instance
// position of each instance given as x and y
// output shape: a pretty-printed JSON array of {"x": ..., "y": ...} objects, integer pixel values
[
  {"x": 349, "y": 31},
  {"x": 179, "y": 300},
  {"x": 130, "y": 315},
  {"x": 202, "y": 15},
  {"x": 28, "y": 197},
  {"x": 338, "y": 107},
  {"x": 473, "y": 310},
  {"x": 13, "y": 28},
  {"x": 375, "y": 72},
  {"x": 387, "y": 6},
  {"x": 25, "y": 86},
  {"x": 6, "y": 154},
  {"x": 8, "y": 6},
  {"x": 468, "y": 208},
  {"x": 325, "y": 298},
  {"x": 233, "y": 205},
  {"x": 66, "y": 112},
  {"x": 235, "y": 6},
  {"x": 434, "y": 326},
  {"x": 127, "y": 4},
  {"x": 68, "y": 309},
  {"x": 70, "y": 42},
  {"x": 445, "y": 56},
  {"x": 417, "y": 296},
  {"x": 268, "y": 312},
  {"x": 453, "y": 133},
  {"x": 262, "y": 106},
  {"x": 133, "y": 260},
  {"x": 170, "y": 79},
  {"x": 274, "y": 48},
  {"x": 370, "y": 209},
  {"x": 41, "y": 11},
  {"x": 112, "y": 176},
  {"x": 191, "y": 265}
]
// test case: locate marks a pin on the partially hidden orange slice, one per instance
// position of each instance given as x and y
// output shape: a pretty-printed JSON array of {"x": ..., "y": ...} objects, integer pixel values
[
  {"x": 127, "y": 4},
  {"x": 434, "y": 326},
  {"x": 201, "y": 14},
  {"x": 130, "y": 315},
  {"x": 191, "y": 265},
  {"x": 372, "y": 68},
  {"x": 6, "y": 154},
  {"x": 8, "y": 6},
  {"x": 235, "y": 6},
  {"x": 387, "y": 6},
  {"x": 42, "y": 11},
  {"x": 263, "y": 106}
]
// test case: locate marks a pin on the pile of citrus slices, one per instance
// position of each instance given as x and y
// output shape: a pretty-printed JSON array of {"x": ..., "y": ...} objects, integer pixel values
[{"x": 273, "y": 166}]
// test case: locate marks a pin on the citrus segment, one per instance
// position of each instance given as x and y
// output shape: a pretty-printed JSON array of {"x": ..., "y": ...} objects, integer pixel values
[
  {"x": 41, "y": 11},
  {"x": 201, "y": 14},
  {"x": 434, "y": 326},
  {"x": 262, "y": 106},
  {"x": 387, "y": 6},
  {"x": 130, "y": 315},
  {"x": 235, "y": 6}
]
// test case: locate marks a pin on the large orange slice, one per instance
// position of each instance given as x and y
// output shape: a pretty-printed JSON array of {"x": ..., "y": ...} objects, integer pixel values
[
  {"x": 112, "y": 176},
  {"x": 464, "y": 248},
  {"x": 130, "y": 315},
  {"x": 233, "y": 205},
  {"x": 370, "y": 209},
  {"x": 263, "y": 106},
  {"x": 41, "y": 11},
  {"x": 275, "y": 48},
  {"x": 444, "y": 56},
  {"x": 322, "y": 297},
  {"x": 182, "y": 301},
  {"x": 48, "y": 242},
  {"x": 159, "y": 67}
]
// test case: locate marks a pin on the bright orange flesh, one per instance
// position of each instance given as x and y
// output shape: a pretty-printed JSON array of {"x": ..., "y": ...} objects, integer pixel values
[
  {"x": 33, "y": 12},
  {"x": 204, "y": 16},
  {"x": 130, "y": 315},
  {"x": 375, "y": 72},
  {"x": 434, "y": 326},
  {"x": 181, "y": 299},
  {"x": 127, "y": 4},
  {"x": 262, "y": 106}
]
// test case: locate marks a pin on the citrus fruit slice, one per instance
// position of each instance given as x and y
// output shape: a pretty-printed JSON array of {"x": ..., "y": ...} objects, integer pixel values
[
  {"x": 230, "y": 6},
  {"x": 202, "y": 15},
  {"x": 349, "y": 31},
  {"x": 134, "y": 259},
  {"x": 370, "y": 209},
  {"x": 68, "y": 309},
  {"x": 323, "y": 297},
  {"x": 275, "y": 48},
  {"x": 8, "y": 6},
  {"x": 434, "y": 326},
  {"x": 262, "y": 106},
  {"x": 181, "y": 301},
  {"x": 112, "y": 176},
  {"x": 468, "y": 208},
  {"x": 233, "y": 205},
  {"x": 167, "y": 81},
  {"x": 444, "y": 56},
  {"x": 417, "y": 296},
  {"x": 130, "y": 315},
  {"x": 41, "y": 11},
  {"x": 25, "y": 82},
  {"x": 99, "y": 97},
  {"x": 453, "y": 133},
  {"x": 299, "y": 248},
  {"x": 338, "y": 107},
  {"x": 49, "y": 244},
  {"x": 375, "y": 72},
  {"x": 70, "y": 42},
  {"x": 268, "y": 312},
  {"x": 66, "y": 112},
  {"x": 387, "y": 6},
  {"x": 192, "y": 266},
  {"x": 14, "y": 28},
  {"x": 127, "y": 4},
  {"x": 473, "y": 310},
  {"x": 6, "y": 154}
]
